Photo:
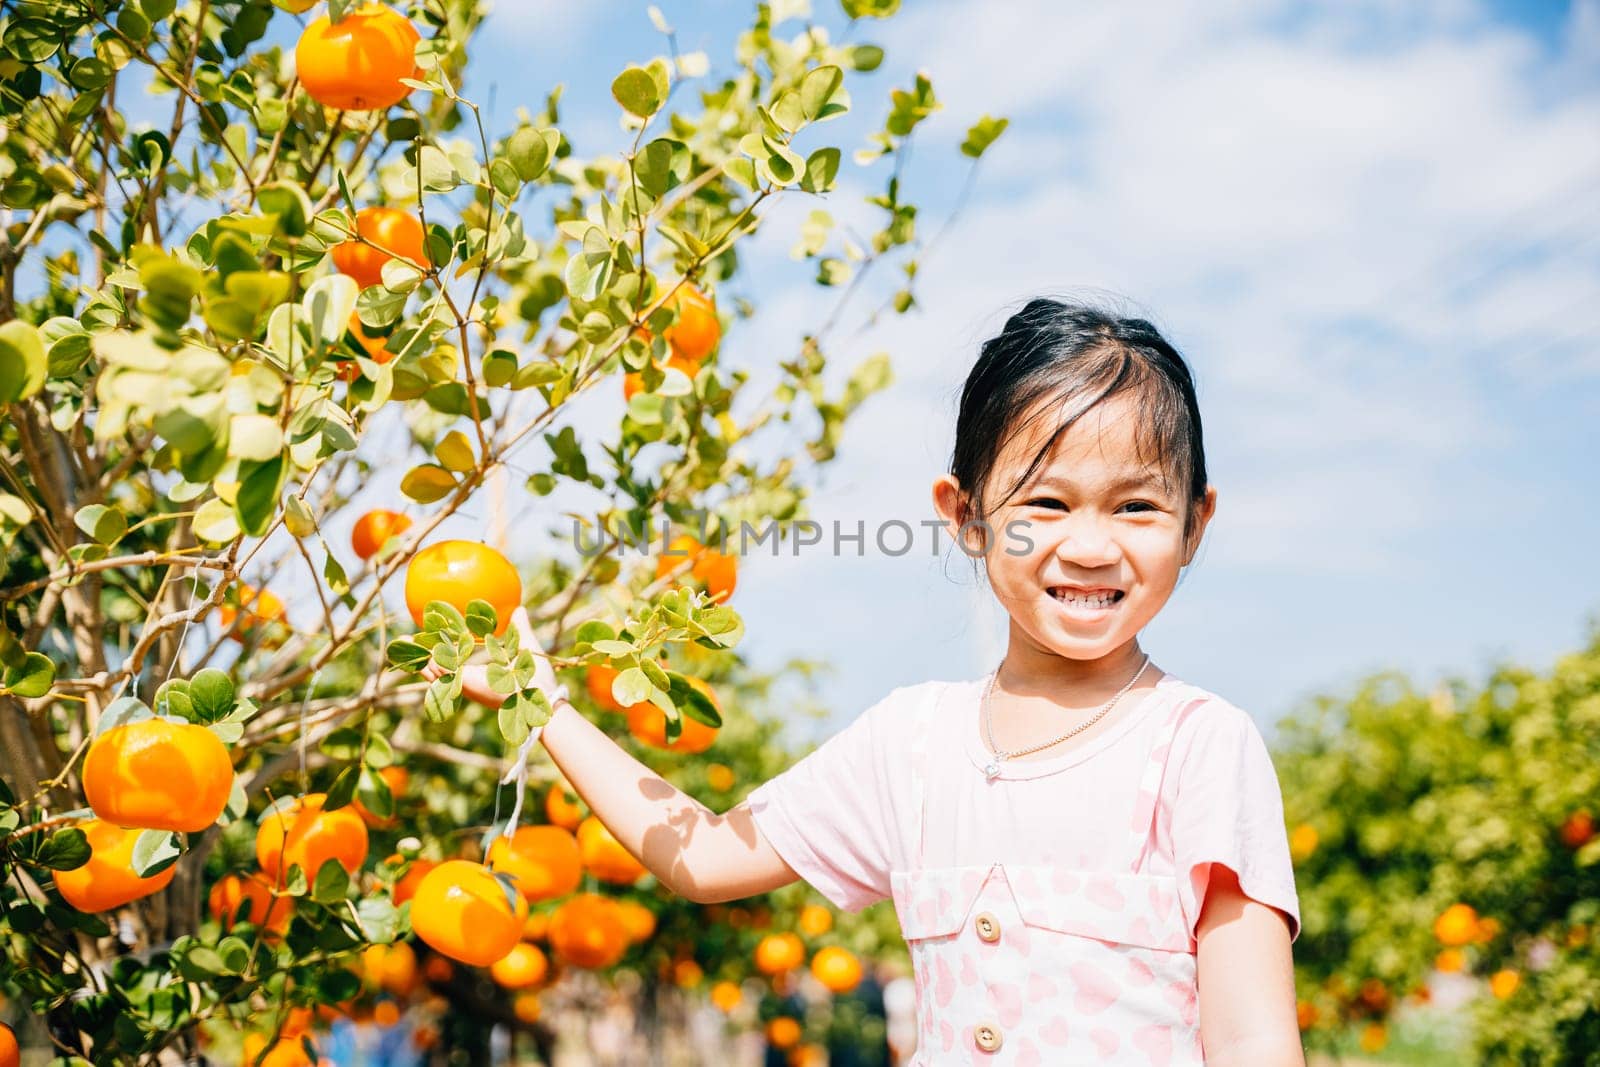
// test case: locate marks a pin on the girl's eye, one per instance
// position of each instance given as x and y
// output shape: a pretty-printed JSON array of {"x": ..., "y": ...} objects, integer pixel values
[{"x": 1052, "y": 502}]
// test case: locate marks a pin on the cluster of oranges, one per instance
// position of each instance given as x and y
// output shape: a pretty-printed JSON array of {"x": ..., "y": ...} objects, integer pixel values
[
  {"x": 257, "y": 611},
  {"x": 693, "y": 335},
  {"x": 149, "y": 774}
]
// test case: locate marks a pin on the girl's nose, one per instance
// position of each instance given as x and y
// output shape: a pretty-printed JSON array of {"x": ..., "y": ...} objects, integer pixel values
[{"x": 1087, "y": 543}]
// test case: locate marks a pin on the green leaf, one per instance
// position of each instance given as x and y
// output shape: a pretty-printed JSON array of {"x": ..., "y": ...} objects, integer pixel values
[
  {"x": 455, "y": 452},
  {"x": 23, "y": 365},
  {"x": 500, "y": 367},
  {"x": 332, "y": 885},
  {"x": 439, "y": 703},
  {"x": 529, "y": 152},
  {"x": 31, "y": 678},
  {"x": 328, "y": 304},
  {"x": 64, "y": 850},
  {"x": 637, "y": 91},
  {"x": 212, "y": 694},
  {"x": 866, "y": 57},
  {"x": 983, "y": 133},
  {"x": 201, "y": 963},
  {"x": 427, "y": 482},
  {"x": 216, "y": 522},
  {"x": 594, "y": 631},
  {"x": 154, "y": 851},
  {"x": 481, "y": 618},
  {"x": 870, "y": 9},
  {"x": 104, "y": 524},
  {"x": 405, "y": 655},
  {"x": 297, "y": 517},
  {"x": 819, "y": 93},
  {"x": 439, "y": 175},
  {"x": 374, "y": 793},
  {"x": 588, "y": 270},
  {"x": 503, "y": 176},
  {"x": 120, "y": 712},
  {"x": 257, "y": 500},
  {"x": 254, "y": 437},
  {"x": 289, "y": 205},
  {"x": 822, "y": 167},
  {"x": 343, "y": 789}
]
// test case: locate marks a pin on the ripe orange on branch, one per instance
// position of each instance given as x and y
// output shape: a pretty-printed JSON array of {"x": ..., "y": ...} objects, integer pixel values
[
  {"x": 285, "y": 1052},
  {"x": 815, "y": 920},
  {"x": 648, "y": 724},
  {"x": 544, "y": 860},
  {"x": 260, "y": 608},
  {"x": 390, "y": 967},
  {"x": 238, "y": 898},
  {"x": 459, "y": 572},
  {"x": 524, "y": 967},
  {"x": 406, "y": 887},
  {"x": 10, "y": 1049},
  {"x": 604, "y": 855},
  {"x": 108, "y": 880},
  {"x": 374, "y": 528},
  {"x": 695, "y": 333},
  {"x": 639, "y": 920},
  {"x": 777, "y": 953},
  {"x": 589, "y": 931},
  {"x": 395, "y": 233},
  {"x": 717, "y": 571},
  {"x": 356, "y": 64},
  {"x": 302, "y": 834},
  {"x": 562, "y": 807},
  {"x": 1456, "y": 925},
  {"x": 461, "y": 911},
  {"x": 156, "y": 774}
]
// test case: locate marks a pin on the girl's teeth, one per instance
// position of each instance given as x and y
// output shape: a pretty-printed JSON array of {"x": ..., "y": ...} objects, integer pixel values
[{"x": 1079, "y": 601}]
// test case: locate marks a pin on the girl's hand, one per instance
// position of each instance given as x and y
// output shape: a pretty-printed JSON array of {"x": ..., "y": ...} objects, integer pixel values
[{"x": 475, "y": 676}]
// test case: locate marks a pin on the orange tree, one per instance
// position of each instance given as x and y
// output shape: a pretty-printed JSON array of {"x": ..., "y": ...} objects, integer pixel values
[
  {"x": 214, "y": 328},
  {"x": 1451, "y": 831}
]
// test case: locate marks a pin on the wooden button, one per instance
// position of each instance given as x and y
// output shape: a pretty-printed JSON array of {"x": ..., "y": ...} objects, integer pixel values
[
  {"x": 987, "y": 1035},
  {"x": 988, "y": 927}
]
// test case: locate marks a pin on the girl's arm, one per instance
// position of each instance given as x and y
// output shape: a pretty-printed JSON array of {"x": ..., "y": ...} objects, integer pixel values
[
  {"x": 1246, "y": 979},
  {"x": 695, "y": 852}
]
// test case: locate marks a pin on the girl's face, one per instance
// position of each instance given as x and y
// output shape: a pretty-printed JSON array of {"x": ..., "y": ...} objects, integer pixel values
[{"x": 1093, "y": 516}]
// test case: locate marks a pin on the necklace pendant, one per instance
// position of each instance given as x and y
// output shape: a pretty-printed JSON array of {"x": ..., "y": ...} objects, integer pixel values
[{"x": 992, "y": 771}]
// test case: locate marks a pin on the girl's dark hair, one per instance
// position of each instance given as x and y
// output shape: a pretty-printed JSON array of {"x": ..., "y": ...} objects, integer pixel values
[{"x": 1078, "y": 355}]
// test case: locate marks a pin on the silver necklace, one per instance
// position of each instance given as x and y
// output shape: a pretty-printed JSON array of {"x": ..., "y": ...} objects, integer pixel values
[{"x": 992, "y": 768}]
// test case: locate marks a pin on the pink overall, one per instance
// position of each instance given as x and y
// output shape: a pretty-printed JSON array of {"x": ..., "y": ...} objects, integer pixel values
[{"x": 1046, "y": 964}]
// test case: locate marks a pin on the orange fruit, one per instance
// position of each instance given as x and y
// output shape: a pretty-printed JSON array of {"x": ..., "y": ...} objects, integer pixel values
[
  {"x": 1375, "y": 995},
  {"x": 696, "y": 331},
  {"x": 297, "y": 1022},
  {"x": 563, "y": 808},
  {"x": 777, "y": 953},
  {"x": 726, "y": 996},
  {"x": 686, "y": 974},
  {"x": 385, "y": 1013},
  {"x": 783, "y": 1032},
  {"x": 640, "y": 920},
  {"x": 462, "y": 911},
  {"x": 393, "y": 231},
  {"x": 815, "y": 920},
  {"x": 588, "y": 931},
  {"x": 396, "y": 778},
  {"x": 604, "y": 856},
  {"x": 648, "y": 724},
  {"x": 836, "y": 968},
  {"x": 1504, "y": 983},
  {"x": 1577, "y": 829},
  {"x": 537, "y": 927},
  {"x": 285, "y": 1052},
  {"x": 544, "y": 860},
  {"x": 526, "y": 1008},
  {"x": 406, "y": 887},
  {"x": 522, "y": 968},
  {"x": 459, "y": 572},
  {"x": 1456, "y": 925},
  {"x": 1302, "y": 842},
  {"x": 717, "y": 571},
  {"x": 1449, "y": 960},
  {"x": 633, "y": 381},
  {"x": 598, "y": 682},
  {"x": 720, "y": 777},
  {"x": 238, "y": 898},
  {"x": 391, "y": 968},
  {"x": 108, "y": 880},
  {"x": 158, "y": 774},
  {"x": 374, "y": 346},
  {"x": 261, "y": 609},
  {"x": 438, "y": 970},
  {"x": 303, "y": 835},
  {"x": 1305, "y": 1014},
  {"x": 1373, "y": 1037},
  {"x": 357, "y": 64},
  {"x": 374, "y": 528},
  {"x": 1488, "y": 927},
  {"x": 10, "y": 1049}
]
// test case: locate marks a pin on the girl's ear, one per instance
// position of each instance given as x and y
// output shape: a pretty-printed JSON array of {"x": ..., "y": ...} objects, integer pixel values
[
  {"x": 950, "y": 503},
  {"x": 1203, "y": 511}
]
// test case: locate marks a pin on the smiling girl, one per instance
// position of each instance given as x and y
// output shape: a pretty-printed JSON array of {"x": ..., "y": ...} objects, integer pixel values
[{"x": 1086, "y": 853}]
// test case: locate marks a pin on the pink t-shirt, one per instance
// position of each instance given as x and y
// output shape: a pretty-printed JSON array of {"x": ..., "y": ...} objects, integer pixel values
[{"x": 843, "y": 816}]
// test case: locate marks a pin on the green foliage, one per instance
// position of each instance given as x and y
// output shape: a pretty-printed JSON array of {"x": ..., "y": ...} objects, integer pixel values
[{"x": 1405, "y": 803}]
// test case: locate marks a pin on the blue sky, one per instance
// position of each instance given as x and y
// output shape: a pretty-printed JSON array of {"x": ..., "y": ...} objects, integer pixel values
[{"x": 1373, "y": 228}]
